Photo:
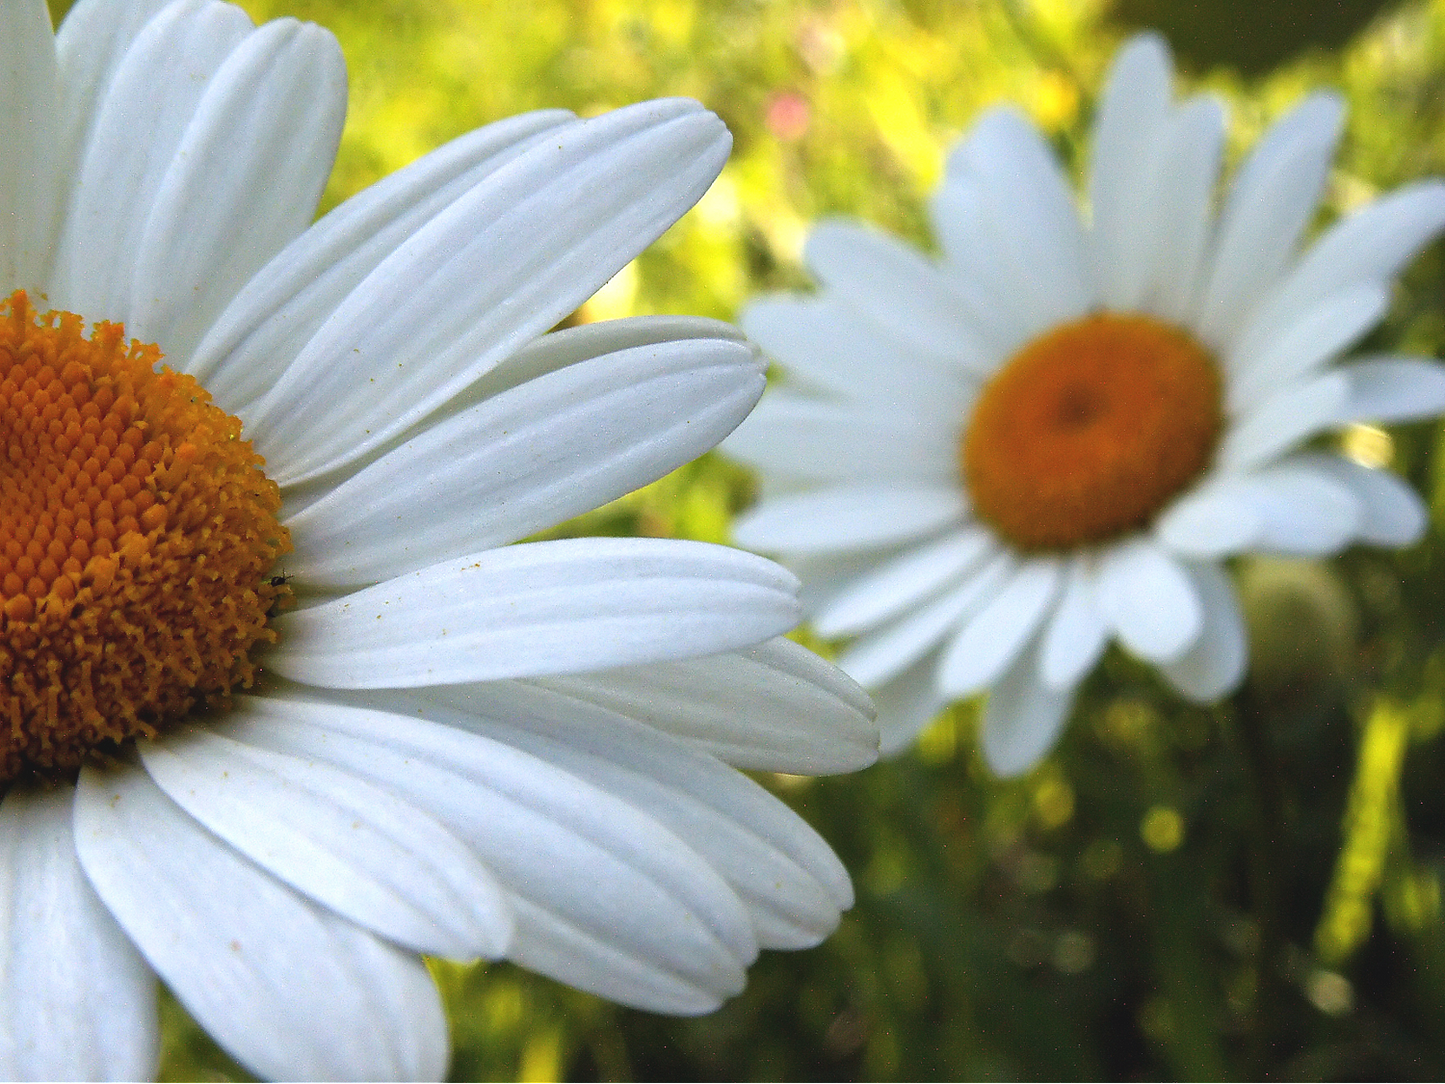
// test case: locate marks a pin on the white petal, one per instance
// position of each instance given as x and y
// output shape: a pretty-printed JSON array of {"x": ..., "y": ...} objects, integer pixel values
[
  {"x": 1393, "y": 389},
  {"x": 899, "y": 290},
  {"x": 540, "y": 608},
  {"x": 1215, "y": 664},
  {"x": 1391, "y": 513},
  {"x": 885, "y": 653},
  {"x": 1128, "y": 135},
  {"x": 76, "y": 1000},
  {"x": 824, "y": 343},
  {"x": 848, "y": 518},
  {"x": 487, "y": 275},
  {"x": 290, "y": 990},
  {"x": 156, "y": 89},
  {"x": 776, "y": 707},
  {"x": 1077, "y": 633},
  {"x": 1188, "y": 173},
  {"x": 245, "y": 180},
  {"x": 1146, "y": 596},
  {"x": 897, "y": 585},
  {"x": 991, "y": 639},
  {"x": 1290, "y": 415},
  {"x": 554, "y": 447},
  {"x": 907, "y": 704},
  {"x": 1370, "y": 245},
  {"x": 1320, "y": 333},
  {"x": 1303, "y": 510},
  {"x": 790, "y": 882},
  {"x": 1030, "y": 209},
  {"x": 351, "y": 847},
  {"x": 279, "y": 310},
  {"x": 1273, "y": 198},
  {"x": 29, "y": 179},
  {"x": 817, "y": 440},
  {"x": 606, "y": 898},
  {"x": 1215, "y": 520},
  {"x": 1023, "y": 718}
]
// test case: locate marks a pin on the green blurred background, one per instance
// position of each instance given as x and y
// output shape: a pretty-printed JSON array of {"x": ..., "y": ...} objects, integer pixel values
[{"x": 1251, "y": 890}]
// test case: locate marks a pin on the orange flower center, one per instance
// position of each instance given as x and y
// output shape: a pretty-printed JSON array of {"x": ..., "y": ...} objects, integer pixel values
[
  {"x": 1089, "y": 430},
  {"x": 136, "y": 533}
]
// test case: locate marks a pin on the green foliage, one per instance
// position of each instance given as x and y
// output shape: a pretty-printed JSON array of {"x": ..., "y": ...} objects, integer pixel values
[{"x": 1247, "y": 891}]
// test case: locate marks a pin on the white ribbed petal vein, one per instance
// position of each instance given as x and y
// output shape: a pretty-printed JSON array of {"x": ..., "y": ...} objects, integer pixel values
[
  {"x": 29, "y": 107},
  {"x": 848, "y": 518},
  {"x": 1215, "y": 664},
  {"x": 540, "y": 608},
  {"x": 78, "y": 1002},
  {"x": 1273, "y": 198},
  {"x": 278, "y": 311},
  {"x": 644, "y": 920},
  {"x": 893, "y": 586},
  {"x": 269, "y": 122},
  {"x": 526, "y": 459},
  {"x": 156, "y": 89},
  {"x": 350, "y": 846},
  {"x": 775, "y": 707},
  {"x": 489, "y": 273},
  {"x": 990, "y": 640},
  {"x": 1133, "y": 115},
  {"x": 288, "y": 988},
  {"x": 792, "y": 885}
]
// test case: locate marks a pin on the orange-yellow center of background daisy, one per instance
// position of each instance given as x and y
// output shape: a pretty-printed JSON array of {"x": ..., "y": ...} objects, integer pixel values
[
  {"x": 1089, "y": 430},
  {"x": 137, "y": 531}
]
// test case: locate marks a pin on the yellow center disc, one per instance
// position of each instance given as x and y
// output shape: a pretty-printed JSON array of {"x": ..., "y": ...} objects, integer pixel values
[
  {"x": 137, "y": 531},
  {"x": 1089, "y": 430}
]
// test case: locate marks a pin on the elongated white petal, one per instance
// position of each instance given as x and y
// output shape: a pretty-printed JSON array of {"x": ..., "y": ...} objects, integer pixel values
[
  {"x": 1215, "y": 664},
  {"x": 156, "y": 89},
  {"x": 1393, "y": 389},
  {"x": 1391, "y": 513},
  {"x": 279, "y": 310},
  {"x": 269, "y": 122},
  {"x": 894, "y": 586},
  {"x": 1188, "y": 174},
  {"x": 906, "y": 705},
  {"x": 1319, "y": 334},
  {"x": 1030, "y": 210},
  {"x": 489, "y": 273},
  {"x": 898, "y": 289},
  {"x": 1077, "y": 633},
  {"x": 606, "y": 898},
  {"x": 775, "y": 707},
  {"x": 289, "y": 989},
  {"x": 1133, "y": 115},
  {"x": 1023, "y": 718},
  {"x": 1303, "y": 510},
  {"x": 829, "y": 442},
  {"x": 76, "y": 1000},
  {"x": 1215, "y": 520},
  {"x": 1149, "y": 600},
  {"x": 790, "y": 882},
  {"x": 991, "y": 639},
  {"x": 824, "y": 343},
  {"x": 885, "y": 653},
  {"x": 529, "y": 458},
  {"x": 540, "y": 608},
  {"x": 348, "y": 845},
  {"x": 1273, "y": 198},
  {"x": 29, "y": 129},
  {"x": 1370, "y": 245},
  {"x": 1284, "y": 419},
  {"x": 848, "y": 518}
]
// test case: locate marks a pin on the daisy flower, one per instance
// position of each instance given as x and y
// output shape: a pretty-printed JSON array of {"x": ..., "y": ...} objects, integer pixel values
[
  {"x": 284, "y": 709},
  {"x": 987, "y": 466}
]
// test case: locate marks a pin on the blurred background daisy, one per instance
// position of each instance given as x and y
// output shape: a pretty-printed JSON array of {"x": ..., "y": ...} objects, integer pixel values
[{"x": 1235, "y": 890}]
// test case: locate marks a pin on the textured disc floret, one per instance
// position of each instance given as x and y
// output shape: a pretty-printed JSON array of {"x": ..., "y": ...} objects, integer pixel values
[
  {"x": 1089, "y": 430},
  {"x": 137, "y": 532}
]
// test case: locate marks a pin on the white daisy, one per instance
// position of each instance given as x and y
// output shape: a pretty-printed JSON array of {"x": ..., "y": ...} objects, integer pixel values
[
  {"x": 988, "y": 465},
  {"x": 455, "y": 745}
]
